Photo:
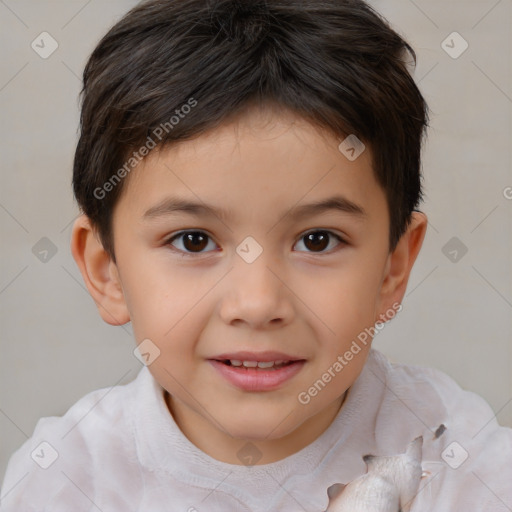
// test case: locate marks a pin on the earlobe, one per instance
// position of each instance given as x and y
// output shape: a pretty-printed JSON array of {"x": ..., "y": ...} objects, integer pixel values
[
  {"x": 99, "y": 272},
  {"x": 400, "y": 263}
]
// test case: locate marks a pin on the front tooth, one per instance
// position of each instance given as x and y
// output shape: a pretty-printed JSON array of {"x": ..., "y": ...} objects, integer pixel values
[
  {"x": 265, "y": 364},
  {"x": 279, "y": 362},
  {"x": 235, "y": 362},
  {"x": 250, "y": 364}
]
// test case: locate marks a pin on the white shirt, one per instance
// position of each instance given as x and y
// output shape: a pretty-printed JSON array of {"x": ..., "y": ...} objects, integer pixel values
[{"x": 119, "y": 449}]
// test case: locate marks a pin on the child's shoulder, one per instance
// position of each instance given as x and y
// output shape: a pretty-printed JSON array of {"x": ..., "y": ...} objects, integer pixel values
[
  {"x": 433, "y": 395},
  {"x": 67, "y": 453},
  {"x": 468, "y": 460},
  {"x": 425, "y": 397}
]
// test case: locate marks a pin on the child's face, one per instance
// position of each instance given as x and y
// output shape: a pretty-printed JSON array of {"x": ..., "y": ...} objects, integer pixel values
[{"x": 202, "y": 300}]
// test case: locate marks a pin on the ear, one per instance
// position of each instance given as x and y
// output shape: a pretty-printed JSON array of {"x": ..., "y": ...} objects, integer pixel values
[
  {"x": 99, "y": 272},
  {"x": 400, "y": 263}
]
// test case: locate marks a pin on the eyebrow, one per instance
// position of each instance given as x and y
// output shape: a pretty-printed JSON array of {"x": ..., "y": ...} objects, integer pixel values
[{"x": 172, "y": 205}]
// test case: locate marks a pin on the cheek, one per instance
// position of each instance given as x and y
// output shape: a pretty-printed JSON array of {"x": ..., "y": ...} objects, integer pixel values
[
  {"x": 156, "y": 300},
  {"x": 344, "y": 301},
  {"x": 171, "y": 312}
]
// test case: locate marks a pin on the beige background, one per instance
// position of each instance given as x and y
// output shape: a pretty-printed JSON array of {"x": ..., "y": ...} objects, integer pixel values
[{"x": 457, "y": 315}]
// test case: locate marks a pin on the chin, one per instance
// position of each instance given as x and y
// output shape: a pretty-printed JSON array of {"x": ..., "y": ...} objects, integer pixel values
[{"x": 258, "y": 427}]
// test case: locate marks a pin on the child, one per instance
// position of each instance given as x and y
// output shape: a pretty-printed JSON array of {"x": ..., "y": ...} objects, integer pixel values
[{"x": 249, "y": 176}]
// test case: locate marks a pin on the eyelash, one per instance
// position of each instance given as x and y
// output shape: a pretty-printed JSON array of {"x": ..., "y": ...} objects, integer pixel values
[{"x": 169, "y": 241}]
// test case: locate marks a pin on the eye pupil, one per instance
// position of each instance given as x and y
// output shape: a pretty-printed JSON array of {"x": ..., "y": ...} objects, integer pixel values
[{"x": 319, "y": 240}]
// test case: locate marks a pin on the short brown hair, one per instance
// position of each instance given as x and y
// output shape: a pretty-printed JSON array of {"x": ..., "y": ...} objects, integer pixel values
[{"x": 336, "y": 63}]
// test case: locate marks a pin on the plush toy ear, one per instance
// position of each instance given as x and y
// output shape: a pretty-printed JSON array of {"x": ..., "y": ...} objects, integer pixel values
[
  {"x": 335, "y": 490},
  {"x": 414, "y": 450},
  {"x": 369, "y": 460},
  {"x": 440, "y": 431}
]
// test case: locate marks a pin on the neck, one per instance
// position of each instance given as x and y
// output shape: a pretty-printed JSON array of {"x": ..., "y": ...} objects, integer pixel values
[{"x": 221, "y": 446}]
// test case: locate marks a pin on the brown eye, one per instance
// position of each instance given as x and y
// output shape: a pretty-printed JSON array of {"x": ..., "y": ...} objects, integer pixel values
[
  {"x": 194, "y": 241},
  {"x": 191, "y": 241},
  {"x": 318, "y": 241}
]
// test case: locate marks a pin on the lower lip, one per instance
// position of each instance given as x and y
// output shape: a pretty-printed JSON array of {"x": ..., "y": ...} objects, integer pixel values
[{"x": 252, "y": 379}]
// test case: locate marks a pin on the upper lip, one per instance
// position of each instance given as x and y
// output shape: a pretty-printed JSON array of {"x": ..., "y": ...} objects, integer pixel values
[{"x": 269, "y": 355}]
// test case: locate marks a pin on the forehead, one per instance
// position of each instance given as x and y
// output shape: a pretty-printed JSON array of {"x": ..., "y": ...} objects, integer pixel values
[{"x": 257, "y": 160}]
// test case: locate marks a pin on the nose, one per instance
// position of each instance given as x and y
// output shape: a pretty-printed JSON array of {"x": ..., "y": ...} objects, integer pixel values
[{"x": 256, "y": 294}]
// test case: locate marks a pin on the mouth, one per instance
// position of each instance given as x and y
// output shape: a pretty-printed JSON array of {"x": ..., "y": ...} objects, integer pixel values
[
  {"x": 263, "y": 371},
  {"x": 258, "y": 365}
]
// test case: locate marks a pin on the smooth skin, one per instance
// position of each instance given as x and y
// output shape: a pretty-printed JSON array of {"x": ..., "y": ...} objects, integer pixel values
[{"x": 306, "y": 297}]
